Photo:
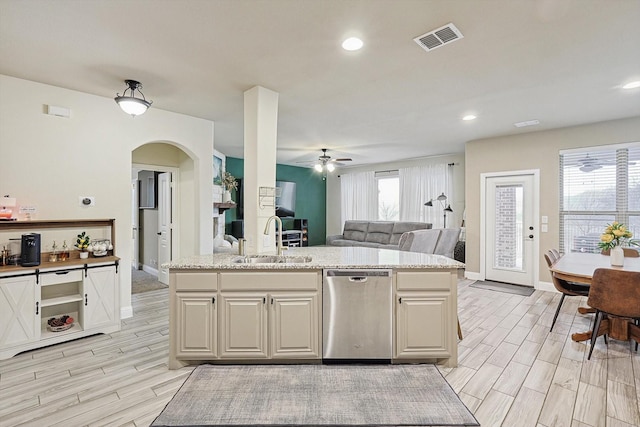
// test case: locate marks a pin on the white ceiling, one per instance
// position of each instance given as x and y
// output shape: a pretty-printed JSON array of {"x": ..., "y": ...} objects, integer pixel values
[{"x": 560, "y": 62}]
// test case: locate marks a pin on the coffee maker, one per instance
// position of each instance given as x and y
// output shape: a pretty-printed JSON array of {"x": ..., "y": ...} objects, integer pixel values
[{"x": 30, "y": 250}]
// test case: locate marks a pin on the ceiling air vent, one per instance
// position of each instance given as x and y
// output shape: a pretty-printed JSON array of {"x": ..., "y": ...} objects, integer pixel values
[{"x": 439, "y": 37}]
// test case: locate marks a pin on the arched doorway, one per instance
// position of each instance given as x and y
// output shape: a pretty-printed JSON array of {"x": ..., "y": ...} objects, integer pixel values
[{"x": 156, "y": 187}]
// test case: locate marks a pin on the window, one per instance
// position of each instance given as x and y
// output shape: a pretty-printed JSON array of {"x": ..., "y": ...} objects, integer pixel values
[
  {"x": 388, "y": 195},
  {"x": 598, "y": 186}
]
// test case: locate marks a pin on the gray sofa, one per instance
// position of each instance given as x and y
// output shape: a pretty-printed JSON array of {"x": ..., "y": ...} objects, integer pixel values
[{"x": 374, "y": 234}]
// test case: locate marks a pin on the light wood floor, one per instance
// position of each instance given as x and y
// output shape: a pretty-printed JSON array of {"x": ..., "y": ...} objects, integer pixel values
[{"x": 512, "y": 371}]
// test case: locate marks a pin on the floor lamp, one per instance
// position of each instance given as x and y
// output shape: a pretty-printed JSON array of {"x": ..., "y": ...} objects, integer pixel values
[{"x": 445, "y": 207}]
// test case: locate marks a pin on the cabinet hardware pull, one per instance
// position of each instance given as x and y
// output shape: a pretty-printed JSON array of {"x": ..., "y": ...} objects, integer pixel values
[
  {"x": 264, "y": 300},
  {"x": 37, "y": 307},
  {"x": 400, "y": 300},
  {"x": 86, "y": 299},
  {"x": 271, "y": 301},
  {"x": 213, "y": 300},
  {"x": 62, "y": 272}
]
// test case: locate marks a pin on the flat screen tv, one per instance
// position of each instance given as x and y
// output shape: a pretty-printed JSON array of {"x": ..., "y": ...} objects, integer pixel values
[{"x": 285, "y": 199}]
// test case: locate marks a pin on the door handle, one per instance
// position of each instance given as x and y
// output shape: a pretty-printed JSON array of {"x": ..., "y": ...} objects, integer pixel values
[
  {"x": 531, "y": 236},
  {"x": 159, "y": 233}
]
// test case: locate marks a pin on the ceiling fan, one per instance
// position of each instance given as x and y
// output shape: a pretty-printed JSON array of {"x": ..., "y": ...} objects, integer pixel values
[
  {"x": 590, "y": 164},
  {"x": 326, "y": 163}
]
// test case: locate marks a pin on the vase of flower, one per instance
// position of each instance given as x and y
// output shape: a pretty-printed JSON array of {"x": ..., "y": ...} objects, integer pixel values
[
  {"x": 617, "y": 257},
  {"x": 229, "y": 183},
  {"x": 613, "y": 238}
]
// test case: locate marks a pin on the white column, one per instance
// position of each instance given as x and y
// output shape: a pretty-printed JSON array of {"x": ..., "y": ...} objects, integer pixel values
[{"x": 260, "y": 138}]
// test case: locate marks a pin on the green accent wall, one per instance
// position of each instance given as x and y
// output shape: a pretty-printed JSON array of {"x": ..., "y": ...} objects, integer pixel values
[{"x": 311, "y": 200}]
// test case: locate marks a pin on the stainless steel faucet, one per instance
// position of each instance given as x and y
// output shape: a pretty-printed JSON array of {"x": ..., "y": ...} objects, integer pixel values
[{"x": 266, "y": 231}]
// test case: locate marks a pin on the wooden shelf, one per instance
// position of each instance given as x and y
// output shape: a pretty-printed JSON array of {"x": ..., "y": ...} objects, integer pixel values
[{"x": 224, "y": 206}]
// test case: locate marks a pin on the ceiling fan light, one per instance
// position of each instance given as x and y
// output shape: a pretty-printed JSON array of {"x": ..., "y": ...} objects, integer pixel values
[
  {"x": 330, "y": 167},
  {"x": 131, "y": 104},
  {"x": 318, "y": 167}
]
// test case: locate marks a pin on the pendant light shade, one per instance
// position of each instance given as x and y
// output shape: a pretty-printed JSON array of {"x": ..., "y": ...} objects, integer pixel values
[{"x": 130, "y": 104}]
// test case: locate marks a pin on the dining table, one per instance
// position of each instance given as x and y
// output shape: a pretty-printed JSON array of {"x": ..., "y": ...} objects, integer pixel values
[{"x": 578, "y": 267}]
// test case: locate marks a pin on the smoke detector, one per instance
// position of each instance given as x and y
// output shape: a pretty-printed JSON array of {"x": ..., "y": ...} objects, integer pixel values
[{"x": 438, "y": 37}]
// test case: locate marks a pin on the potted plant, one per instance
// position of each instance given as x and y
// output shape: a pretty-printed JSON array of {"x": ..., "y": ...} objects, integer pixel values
[
  {"x": 82, "y": 243},
  {"x": 229, "y": 183}
]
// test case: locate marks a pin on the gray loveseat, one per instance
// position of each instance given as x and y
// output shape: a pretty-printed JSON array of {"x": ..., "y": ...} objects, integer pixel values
[{"x": 374, "y": 234}]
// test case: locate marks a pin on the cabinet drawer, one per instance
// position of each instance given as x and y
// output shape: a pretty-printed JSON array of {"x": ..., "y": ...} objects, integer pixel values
[
  {"x": 289, "y": 280},
  {"x": 62, "y": 277},
  {"x": 195, "y": 281},
  {"x": 415, "y": 281}
]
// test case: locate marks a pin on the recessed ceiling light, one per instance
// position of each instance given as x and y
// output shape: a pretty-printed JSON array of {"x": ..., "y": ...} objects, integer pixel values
[
  {"x": 469, "y": 117},
  {"x": 527, "y": 123},
  {"x": 632, "y": 85},
  {"x": 352, "y": 43}
]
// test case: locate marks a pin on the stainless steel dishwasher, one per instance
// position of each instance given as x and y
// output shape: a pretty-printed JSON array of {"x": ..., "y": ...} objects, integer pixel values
[{"x": 356, "y": 315}]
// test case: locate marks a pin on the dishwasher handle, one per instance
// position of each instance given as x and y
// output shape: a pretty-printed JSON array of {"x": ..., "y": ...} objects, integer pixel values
[{"x": 358, "y": 279}]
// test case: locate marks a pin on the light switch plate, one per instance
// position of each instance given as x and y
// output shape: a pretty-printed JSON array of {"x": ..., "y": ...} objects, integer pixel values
[
  {"x": 545, "y": 219},
  {"x": 544, "y": 228}
]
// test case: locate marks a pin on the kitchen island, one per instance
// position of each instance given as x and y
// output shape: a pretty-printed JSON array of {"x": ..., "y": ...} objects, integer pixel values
[{"x": 225, "y": 308}]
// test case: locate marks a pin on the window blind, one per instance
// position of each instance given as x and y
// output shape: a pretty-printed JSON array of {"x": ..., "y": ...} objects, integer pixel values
[{"x": 598, "y": 185}]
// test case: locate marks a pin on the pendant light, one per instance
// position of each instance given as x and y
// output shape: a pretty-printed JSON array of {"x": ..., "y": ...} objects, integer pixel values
[{"x": 130, "y": 104}]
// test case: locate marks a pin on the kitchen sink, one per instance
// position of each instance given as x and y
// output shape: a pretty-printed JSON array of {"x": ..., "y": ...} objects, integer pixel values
[{"x": 271, "y": 259}]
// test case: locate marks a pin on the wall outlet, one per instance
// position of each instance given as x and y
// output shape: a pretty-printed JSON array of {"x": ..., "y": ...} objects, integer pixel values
[{"x": 87, "y": 201}]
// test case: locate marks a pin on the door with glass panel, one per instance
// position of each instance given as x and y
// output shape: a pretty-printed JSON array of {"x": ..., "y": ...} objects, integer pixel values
[{"x": 509, "y": 229}]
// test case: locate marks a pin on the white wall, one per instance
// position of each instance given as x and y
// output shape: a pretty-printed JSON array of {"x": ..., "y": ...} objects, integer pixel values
[
  {"x": 334, "y": 224},
  {"x": 48, "y": 161}
]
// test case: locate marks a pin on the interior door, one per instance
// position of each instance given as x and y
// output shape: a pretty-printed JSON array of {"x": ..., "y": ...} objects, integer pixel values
[
  {"x": 509, "y": 229},
  {"x": 164, "y": 225},
  {"x": 135, "y": 214}
]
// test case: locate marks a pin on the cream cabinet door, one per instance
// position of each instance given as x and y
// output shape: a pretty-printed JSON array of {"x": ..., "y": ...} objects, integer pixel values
[
  {"x": 294, "y": 325},
  {"x": 423, "y": 325},
  {"x": 197, "y": 326},
  {"x": 243, "y": 325},
  {"x": 19, "y": 311},
  {"x": 101, "y": 294}
]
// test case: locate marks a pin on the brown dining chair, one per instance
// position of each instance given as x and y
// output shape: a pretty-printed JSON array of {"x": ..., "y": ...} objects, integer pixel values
[
  {"x": 628, "y": 252},
  {"x": 615, "y": 294},
  {"x": 564, "y": 287}
]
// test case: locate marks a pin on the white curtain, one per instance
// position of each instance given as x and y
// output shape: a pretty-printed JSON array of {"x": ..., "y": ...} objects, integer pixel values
[
  {"x": 359, "y": 194},
  {"x": 420, "y": 184}
]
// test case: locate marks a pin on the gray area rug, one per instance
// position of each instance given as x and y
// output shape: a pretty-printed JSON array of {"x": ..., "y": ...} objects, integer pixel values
[
  {"x": 508, "y": 288},
  {"x": 316, "y": 395},
  {"x": 141, "y": 281}
]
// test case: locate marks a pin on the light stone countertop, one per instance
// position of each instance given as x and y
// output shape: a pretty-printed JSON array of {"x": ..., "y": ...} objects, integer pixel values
[{"x": 322, "y": 257}]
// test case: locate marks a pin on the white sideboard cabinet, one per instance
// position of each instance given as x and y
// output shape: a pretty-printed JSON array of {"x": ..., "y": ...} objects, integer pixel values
[{"x": 87, "y": 290}]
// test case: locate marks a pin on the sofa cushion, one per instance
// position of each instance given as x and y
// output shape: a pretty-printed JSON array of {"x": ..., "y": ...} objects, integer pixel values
[
  {"x": 447, "y": 242},
  {"x": 399, "y": 228},
  {"x": 420, "y": 241},
  {"x": 355, "y": 230},
  {"x": 379, "y": 232}
]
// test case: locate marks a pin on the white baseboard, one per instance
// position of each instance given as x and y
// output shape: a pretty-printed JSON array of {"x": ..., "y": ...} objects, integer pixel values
[
  {"x": 149, "y": 269},
  {"x": 546, "y": 286},
  {"x": 471, "y": 275},
  {"x": 126, "y": 312}
]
